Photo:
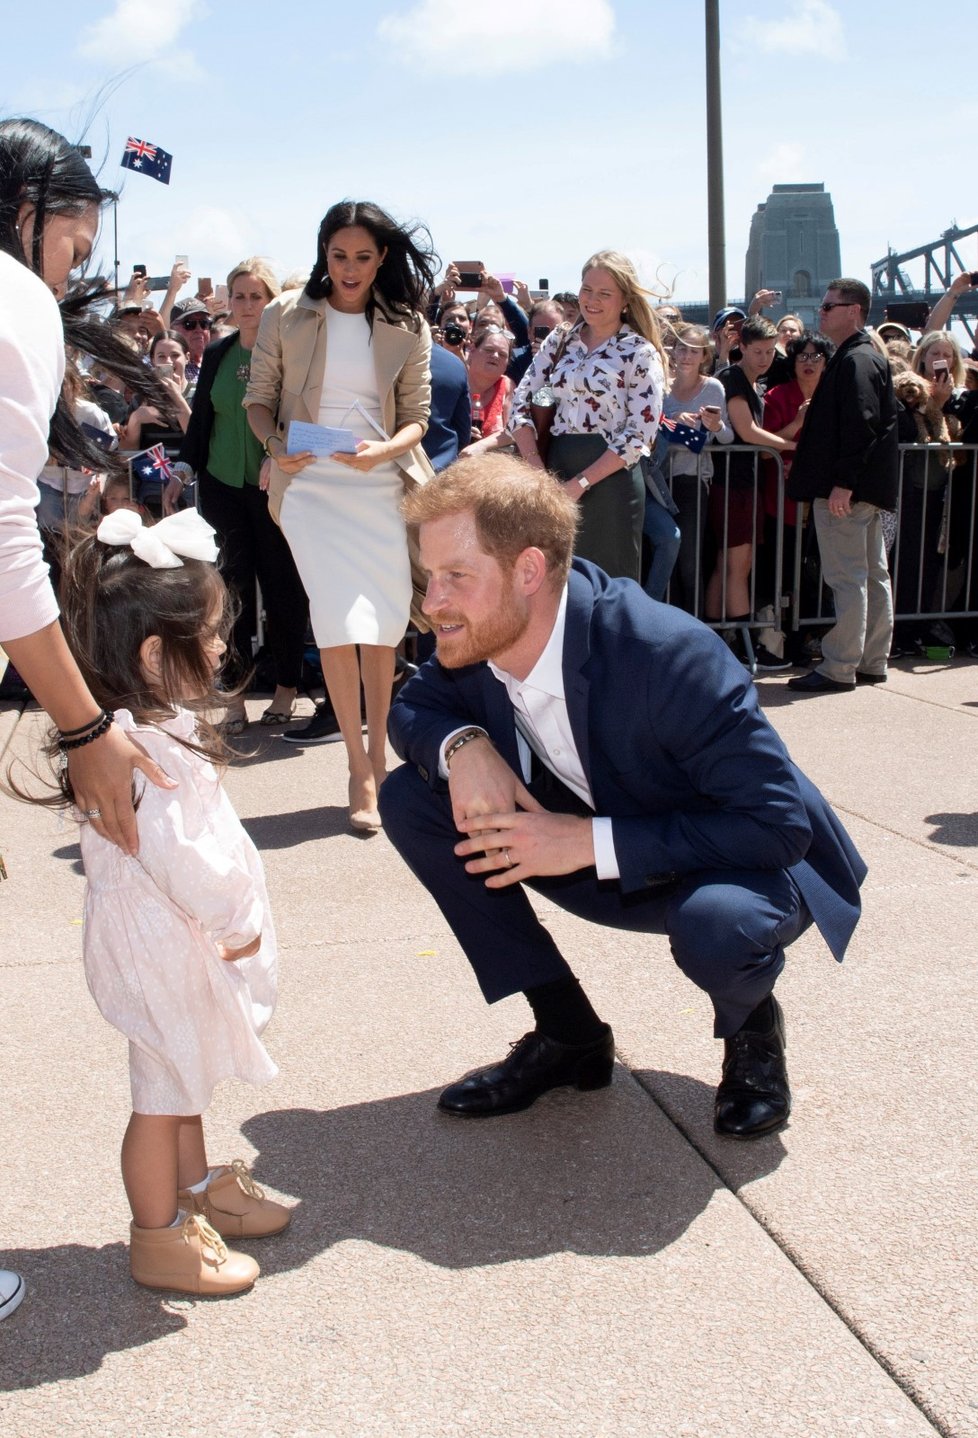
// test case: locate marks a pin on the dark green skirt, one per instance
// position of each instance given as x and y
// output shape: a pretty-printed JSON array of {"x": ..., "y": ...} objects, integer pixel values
[{"x": 610, "y": 532}]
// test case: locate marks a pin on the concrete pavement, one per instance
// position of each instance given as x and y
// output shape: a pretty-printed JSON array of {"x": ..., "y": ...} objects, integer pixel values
[{"x": 599, "y": 1265}]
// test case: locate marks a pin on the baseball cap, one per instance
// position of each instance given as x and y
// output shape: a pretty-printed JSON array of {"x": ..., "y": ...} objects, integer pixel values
[{"x": 731, "y": 312}]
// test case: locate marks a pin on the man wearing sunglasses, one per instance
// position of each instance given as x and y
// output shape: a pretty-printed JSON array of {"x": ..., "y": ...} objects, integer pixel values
[
  {"x": 192, "y": 320},
  {"x": 846, "y": 463}
]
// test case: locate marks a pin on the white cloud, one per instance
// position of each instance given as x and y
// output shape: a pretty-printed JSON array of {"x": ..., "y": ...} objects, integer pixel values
[
  {"x": 811, "y": 27},
  {"x": 507, "y": 35},
  {"x": 136, "y": 31},
  {"x": 784, "y": 164}
]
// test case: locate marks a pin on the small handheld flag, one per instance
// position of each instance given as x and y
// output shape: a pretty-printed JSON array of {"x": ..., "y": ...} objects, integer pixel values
[
  {"x": 151, "y": 464},
  {"x": 147, "y": 159},
  {"x": 685, "y": 434}
]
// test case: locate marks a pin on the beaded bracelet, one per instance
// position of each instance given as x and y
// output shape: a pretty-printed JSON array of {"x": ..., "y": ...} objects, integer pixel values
[
  {"x": 466, "y": 737},
  {"x": 65, "y": 744},
  {"x": 82, "y": 728}
]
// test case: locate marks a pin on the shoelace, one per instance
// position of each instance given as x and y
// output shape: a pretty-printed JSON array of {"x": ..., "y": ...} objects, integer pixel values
[
  {"x": 242, "y": 1173},
  {"x": 747, "y": 1063},
  {"x": 196, "y": 1227}
]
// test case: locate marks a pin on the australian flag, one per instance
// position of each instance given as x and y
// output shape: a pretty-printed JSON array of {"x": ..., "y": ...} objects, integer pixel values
[
  {"x": 676, "y": 433},
  {"x": 150, "y": 464},
  {"x": 147, "y": 159}
]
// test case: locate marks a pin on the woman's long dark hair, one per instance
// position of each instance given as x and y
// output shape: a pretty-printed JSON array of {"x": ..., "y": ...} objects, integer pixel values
[
  {"x": 89, "y": 334},
  {"x": 408, "y": 271},
  {"x": 40, "y": 168}
]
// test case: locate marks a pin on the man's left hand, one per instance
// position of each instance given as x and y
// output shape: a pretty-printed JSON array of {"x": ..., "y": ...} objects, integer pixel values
[
  {"x": 840, "y": 502},
  {"x": 513, "y": 847}
]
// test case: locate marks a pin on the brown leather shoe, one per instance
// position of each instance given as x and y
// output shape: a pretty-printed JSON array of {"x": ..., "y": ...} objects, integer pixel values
[
  {"x": 235, "y": 1206},
  {"x": 190, "y": 1258}
]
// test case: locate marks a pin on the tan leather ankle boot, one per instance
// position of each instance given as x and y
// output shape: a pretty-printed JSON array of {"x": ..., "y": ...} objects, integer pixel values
[
  {"x": 190, "y": 1258},
  {"x": 234, "y": 1204}
]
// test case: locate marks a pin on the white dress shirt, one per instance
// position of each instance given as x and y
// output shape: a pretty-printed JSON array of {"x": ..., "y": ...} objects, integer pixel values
[{"x": 543, "y": 727}]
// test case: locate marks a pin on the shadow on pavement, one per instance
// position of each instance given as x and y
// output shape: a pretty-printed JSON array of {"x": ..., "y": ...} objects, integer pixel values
[
  {"x": 958, "y": 830},
  {"x": 301, "y": 826},
  {"x": 80, "y": 1306},
  {"x": 586, "y": 1174},
  {"x": 597, "y": 1174}
]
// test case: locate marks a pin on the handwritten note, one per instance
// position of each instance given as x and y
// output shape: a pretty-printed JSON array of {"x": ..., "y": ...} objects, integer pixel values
[{"x": 319, "y": 439}]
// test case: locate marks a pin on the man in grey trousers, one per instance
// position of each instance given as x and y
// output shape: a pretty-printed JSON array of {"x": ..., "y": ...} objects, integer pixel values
[{"x": 847, "y": 463}]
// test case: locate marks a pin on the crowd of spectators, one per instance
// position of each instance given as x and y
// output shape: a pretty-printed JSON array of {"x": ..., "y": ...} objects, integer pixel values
[{"x": 692, "y": 519}]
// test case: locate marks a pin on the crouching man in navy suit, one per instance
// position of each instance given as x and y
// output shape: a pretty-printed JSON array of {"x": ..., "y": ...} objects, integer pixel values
[{"x": 576, "y": 737}]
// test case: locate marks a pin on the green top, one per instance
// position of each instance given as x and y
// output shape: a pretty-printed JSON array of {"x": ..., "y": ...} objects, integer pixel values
[{"x": 234, "y": 455}]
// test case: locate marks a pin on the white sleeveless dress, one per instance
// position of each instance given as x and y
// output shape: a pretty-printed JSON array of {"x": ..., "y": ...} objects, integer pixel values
[{"x": 344, "y": 526}]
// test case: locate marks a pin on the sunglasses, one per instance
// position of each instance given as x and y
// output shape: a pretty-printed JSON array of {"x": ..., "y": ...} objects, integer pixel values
[
  {"x": 201, "y": 323},
  {"x": 810, "y": 357},
  {"x": 836, "y": 305}
]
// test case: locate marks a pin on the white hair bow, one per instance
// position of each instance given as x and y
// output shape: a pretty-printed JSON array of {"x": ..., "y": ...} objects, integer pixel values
[{"x": 162, "y": 544}]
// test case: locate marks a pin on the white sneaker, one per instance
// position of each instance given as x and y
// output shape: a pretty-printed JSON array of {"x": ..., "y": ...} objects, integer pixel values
[{"x": 12, "y": 1290}]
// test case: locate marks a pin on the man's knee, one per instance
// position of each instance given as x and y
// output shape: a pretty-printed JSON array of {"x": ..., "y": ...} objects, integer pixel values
[
  {"x": 408, "y": 805},
  {"x": 720, "y": 927}
]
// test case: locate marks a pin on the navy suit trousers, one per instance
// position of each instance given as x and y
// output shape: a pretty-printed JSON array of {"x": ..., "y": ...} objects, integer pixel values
[{"x": 727, "y": 928}]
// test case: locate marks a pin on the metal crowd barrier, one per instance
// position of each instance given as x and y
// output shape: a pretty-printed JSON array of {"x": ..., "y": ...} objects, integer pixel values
[
  {"x": 930, "y": 538},
  {"x": 759, "y": 472}
]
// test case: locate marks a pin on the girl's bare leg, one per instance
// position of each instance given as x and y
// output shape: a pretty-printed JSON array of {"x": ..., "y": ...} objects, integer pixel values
[
  {"x": 191, "y": 1153},
  {"x": 150, "y": 1166}
]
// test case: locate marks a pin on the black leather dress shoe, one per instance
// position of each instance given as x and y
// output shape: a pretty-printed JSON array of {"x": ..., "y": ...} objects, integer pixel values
[
  {"x": 864, "y": 678},
  {"x": 532, "y": 1066},
  {"x": 815, "y": 683},
  {"x": 753, "y": 1097}
]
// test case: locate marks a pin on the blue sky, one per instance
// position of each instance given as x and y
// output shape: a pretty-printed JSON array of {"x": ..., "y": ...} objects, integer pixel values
[{"x": 525, "y": 133}]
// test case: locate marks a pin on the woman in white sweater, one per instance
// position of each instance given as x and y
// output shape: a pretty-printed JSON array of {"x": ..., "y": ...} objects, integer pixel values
[{"x": 49, "y": 213}]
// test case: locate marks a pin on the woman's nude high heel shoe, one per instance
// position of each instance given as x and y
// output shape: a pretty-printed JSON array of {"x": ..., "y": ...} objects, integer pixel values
[{"x": 364, "y": 815}]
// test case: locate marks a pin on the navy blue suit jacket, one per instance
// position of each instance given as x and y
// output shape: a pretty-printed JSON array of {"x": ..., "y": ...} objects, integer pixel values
[
  {"x": 674, "y": 745},
  {"x": 450, "y": 421}
]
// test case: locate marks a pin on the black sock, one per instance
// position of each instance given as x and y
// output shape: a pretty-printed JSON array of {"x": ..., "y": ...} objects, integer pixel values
[
  {"x": 760, "y": 1019},
  {"x": 563, "y": 1012}
]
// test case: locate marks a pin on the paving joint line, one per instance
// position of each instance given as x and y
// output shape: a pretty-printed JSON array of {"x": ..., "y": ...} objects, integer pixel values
[
  {"x": 942, "y": 851},
  {"x": 783, "y": 1246}
]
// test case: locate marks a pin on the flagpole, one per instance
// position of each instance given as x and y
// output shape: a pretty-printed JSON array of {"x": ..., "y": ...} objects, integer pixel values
[
  {"x": 115, "y": 238},
  {"x": 714, "y": 162}
]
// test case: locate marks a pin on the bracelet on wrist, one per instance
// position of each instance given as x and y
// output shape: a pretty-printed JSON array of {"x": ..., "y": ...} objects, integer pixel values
[
  {"x": 460, "y": 740},
  {"x": 267, "y": 441},
  {"x": 101, "y": 728},
  {"x": 82, "y": 728}
]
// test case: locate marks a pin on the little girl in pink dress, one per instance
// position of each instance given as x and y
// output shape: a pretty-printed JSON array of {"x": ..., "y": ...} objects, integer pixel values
[{"x": 179, "y": 947}]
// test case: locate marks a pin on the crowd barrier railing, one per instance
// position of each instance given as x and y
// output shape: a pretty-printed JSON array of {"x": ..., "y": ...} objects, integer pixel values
[{"x": 931, "y": 539}]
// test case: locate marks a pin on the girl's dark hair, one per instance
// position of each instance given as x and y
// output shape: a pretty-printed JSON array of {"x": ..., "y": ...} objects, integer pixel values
[
  {"x": 41, "y": 168},
  {"x": 111, "y": 601},
  {"x": 409, "y": 267},
  {"x": 808, "y": 340}
]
